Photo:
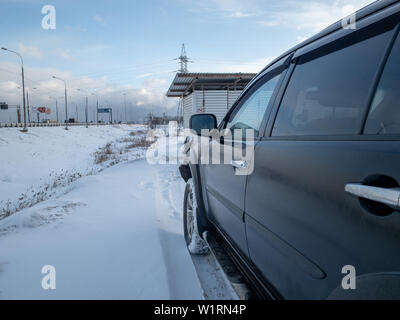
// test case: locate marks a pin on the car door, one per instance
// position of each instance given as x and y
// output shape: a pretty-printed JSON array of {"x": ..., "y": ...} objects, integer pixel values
[
  {"x": 302, "y": 226},
  {"x": 225, "y": 186}
]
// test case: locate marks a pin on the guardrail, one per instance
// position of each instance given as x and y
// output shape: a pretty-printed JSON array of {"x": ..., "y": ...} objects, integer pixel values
[{"x": 35, "y": 124}]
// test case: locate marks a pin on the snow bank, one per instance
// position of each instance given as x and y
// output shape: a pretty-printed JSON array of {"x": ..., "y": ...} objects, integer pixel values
[
  {"x": 33, "y": 164},
  {"x": 115, "y": 235}
]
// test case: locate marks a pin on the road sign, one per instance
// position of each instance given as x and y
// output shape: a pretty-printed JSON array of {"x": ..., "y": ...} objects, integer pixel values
[
  {"x": 104, "y": 110},
  {"x": 3, "y": 106}
]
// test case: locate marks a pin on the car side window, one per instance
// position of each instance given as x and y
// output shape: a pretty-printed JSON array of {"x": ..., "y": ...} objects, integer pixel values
[
  {"x": 328, "y": 91},
  {"x": 384, "y": 115},
  {"x": 252, "y": 111}
]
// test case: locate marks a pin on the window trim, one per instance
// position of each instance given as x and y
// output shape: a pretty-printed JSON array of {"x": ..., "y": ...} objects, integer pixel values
[
  {"x": 378, "y": 78},
  {"x": 370, "y": 94},
  {"x": 262, "y": 79},
  {"x": 388, "y": 137},
  {"x": 278, "y": 99}
]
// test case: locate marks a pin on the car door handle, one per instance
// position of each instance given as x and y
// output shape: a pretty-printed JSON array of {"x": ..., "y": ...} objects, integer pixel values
[
  {"x": 239, "y": 164},
  {"x": 390, "y": 197}
]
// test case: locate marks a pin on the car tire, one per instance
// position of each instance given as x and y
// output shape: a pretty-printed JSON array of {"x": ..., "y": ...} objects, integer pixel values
[{"x": 194, "y": 242}]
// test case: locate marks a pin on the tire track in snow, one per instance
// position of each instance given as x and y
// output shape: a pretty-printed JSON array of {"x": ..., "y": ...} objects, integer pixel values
[
  {"x": 179, "y": 268},
  {"x": 213, "y": 283}
]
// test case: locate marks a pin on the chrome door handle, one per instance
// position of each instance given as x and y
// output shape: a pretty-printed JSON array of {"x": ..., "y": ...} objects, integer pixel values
[
  {"x": 390, "y": 197},
  {"x": 240, "y": 164}
]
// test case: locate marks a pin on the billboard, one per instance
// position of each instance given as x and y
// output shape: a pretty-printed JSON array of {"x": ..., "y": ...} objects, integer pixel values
[
  {"x": 43, "y": 110},
  {"x": 104, "y": 110}
]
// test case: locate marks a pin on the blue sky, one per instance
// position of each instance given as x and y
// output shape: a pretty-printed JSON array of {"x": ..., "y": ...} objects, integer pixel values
[{"x": 128, "y": 46}]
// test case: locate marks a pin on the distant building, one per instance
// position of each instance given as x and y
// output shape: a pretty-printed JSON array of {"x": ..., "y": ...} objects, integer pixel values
[{"x": 207, "y": 92}]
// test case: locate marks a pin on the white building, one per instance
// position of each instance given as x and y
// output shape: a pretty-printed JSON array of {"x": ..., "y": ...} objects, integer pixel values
[{"x": 207, "y": 92}]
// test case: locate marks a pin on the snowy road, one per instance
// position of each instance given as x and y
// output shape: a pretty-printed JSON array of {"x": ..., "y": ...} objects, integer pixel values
[{"x": 115, "y": 235}]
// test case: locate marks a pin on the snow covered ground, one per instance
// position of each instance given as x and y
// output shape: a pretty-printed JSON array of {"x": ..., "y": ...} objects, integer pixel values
[
  {"x": 113, "y": 234},
  {"x": 32, "y": 163}
]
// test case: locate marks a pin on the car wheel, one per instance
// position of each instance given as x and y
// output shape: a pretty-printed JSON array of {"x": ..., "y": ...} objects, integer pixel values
[{"x": 194, "y": 242}]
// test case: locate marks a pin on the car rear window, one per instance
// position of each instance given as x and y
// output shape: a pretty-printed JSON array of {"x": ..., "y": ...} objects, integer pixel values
[{"x": 328, "y": 91}]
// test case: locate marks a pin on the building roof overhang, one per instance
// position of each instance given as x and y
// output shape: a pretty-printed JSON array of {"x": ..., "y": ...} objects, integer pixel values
[{"x": 185, "y": 83}]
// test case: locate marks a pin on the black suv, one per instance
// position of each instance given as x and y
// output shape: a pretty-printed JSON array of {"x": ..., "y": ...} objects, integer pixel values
[{"x": 318, "y": 217}]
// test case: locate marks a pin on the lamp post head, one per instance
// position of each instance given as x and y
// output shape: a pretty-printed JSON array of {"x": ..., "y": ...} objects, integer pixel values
[
  {"x": 54, "y": 77},
  {"x": 4, "y": 48}
]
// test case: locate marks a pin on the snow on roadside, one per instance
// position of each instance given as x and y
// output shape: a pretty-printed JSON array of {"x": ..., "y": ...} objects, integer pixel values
[
  {"x": 105, "y": 245},
  {"x": 45, "y": 161},
  {"x": 169, "y": 190},
  {"x": 115, "y": 235}
]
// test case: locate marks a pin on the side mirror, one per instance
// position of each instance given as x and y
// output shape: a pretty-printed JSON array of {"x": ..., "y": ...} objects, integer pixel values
[{"x": 204, "y": 121}]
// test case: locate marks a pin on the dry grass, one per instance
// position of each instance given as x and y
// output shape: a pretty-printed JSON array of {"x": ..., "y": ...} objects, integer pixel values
[
  {"x": 100, "y": 158},
  {"x": 126, "y": 140},
  {"x": 138, "y": 143},
  {"x": 109, "y": 155},
  {"x": 132, "y": 141},
  {"x": 35, "y": 195},
  {"x": 103, "y": 154},
  {"x": 135, "y": 133}
]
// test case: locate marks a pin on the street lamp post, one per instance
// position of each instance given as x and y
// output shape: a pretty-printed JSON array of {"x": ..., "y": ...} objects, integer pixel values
[
  {"x": 126, "y": 118},
  {"x": 25, "y": 129},
  {"x": 57, "y": 110},
  {"x": 86, "y": 108},
  {"x": 66, "y": 103},
  {"x": 97, "y": 107},
  {"x": 28, "y": 105},
  {"x": 56, "y": 99},
  {"x": 109, "y": 106}
]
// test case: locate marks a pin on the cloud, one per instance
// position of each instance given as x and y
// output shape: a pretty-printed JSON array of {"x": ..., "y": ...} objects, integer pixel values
[
  {"x": 65, "y": 54},
  {"x": 75, "y": 28},
  {"x": 305, "y": 17},
  {"x": 270, "y": 23},
  {"x": 9, "y": 86},
  {"x": 228, "y": 8},
  {"x": 140, "y": 99},
  {"x": 253, "y": 66},
  {"x": 146, "y": 75},
  {"x": 240, "y": 14},
  {"x": 311, "y": 17},
  {"x": 29, "y": 51},
  {"x": 98, "y": 19},
  {"x": 152, "y": 74}
]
